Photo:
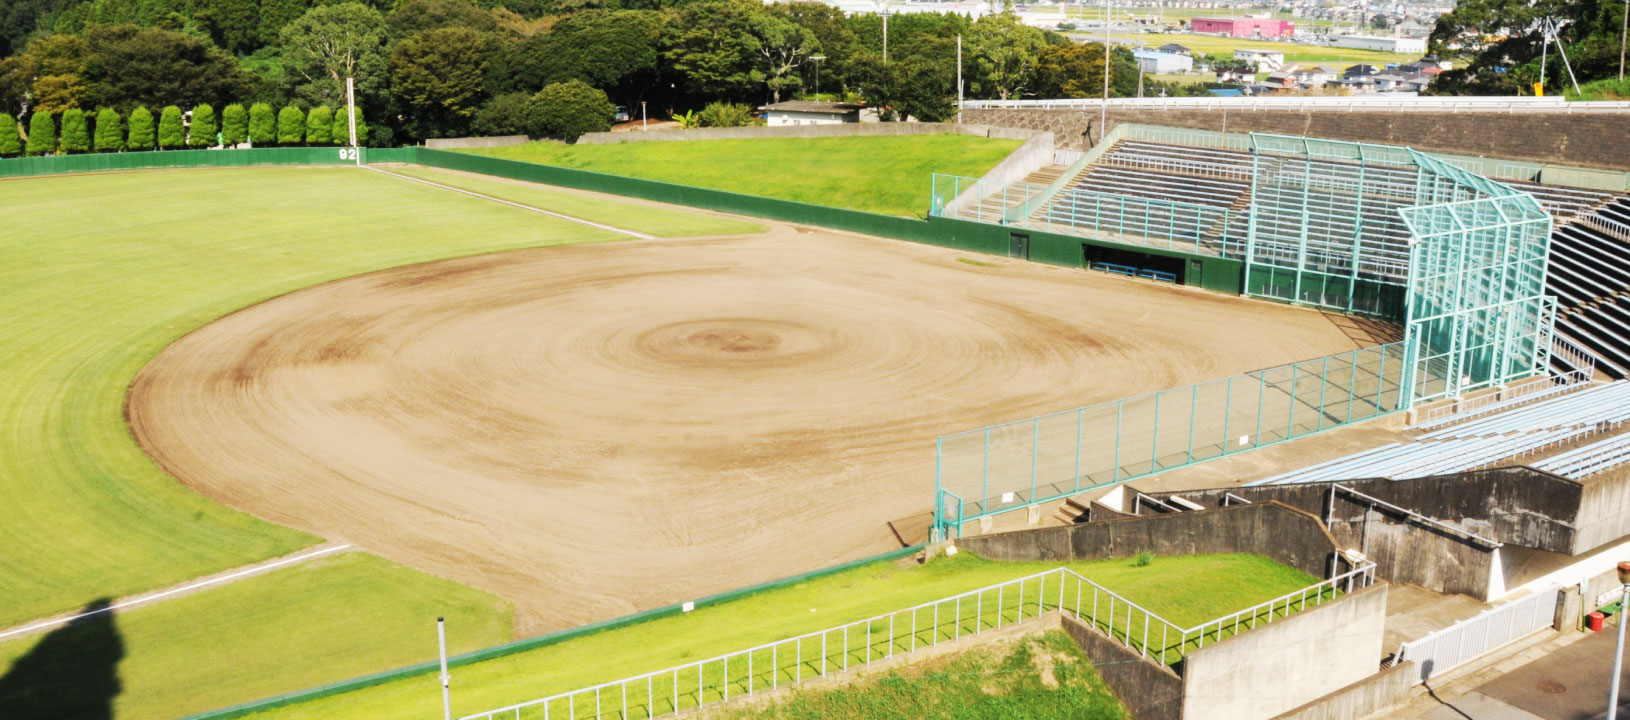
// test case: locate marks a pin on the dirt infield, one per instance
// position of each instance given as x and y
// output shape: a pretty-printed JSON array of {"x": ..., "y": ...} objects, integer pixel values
[{"x": 596, "y": 429}]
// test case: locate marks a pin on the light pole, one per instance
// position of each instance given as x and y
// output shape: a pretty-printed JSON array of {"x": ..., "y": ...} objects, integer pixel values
[
  {"x": 817, "y": 59},
  {"x": 1618, "y": 652},
  {"x": 642, "y": 116},
  {"x": 1624, "y": 34}
]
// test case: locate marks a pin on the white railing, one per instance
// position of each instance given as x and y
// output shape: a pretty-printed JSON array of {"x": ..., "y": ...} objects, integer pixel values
[
  {"x": 1514, "y": 395},
  {"x": 1361, "y": 103},
  {"x": 860, "y": 643},
  {"x": 1170, "y": 166},
  {"x": 1608, "y": 226},
  {"x": 1590, "y": 459},
  {"x": 1469, "y": 639}
]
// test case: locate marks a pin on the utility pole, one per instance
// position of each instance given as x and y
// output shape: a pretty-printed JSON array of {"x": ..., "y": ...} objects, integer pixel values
[
  {"x": 959, "y": 77},
  {"x": 1103, "y": 108},
  {"x": 1624, "y": 34},
  {"x": 885, "y": 32}
]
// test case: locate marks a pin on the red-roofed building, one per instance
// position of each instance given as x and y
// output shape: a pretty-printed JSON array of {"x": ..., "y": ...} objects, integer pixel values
[{"x": 1244, "y": 27}]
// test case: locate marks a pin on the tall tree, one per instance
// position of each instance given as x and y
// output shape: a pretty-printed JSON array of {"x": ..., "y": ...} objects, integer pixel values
[
  {"x": 412, "y": 17},
  {"x": 1006, "y": 51},
  {"x": 711, "y": 45},
  {"x": 438, "y": 76},
  {"x": 171, "y": 130},
  {"x": 262, "y": 125},
  {"x": 615, "y": 50},
  {"x": 291, "y": 126},
  {"x": 320, "y": 126},
  {"x": 232, "y": 24},
  {"x": 837, "y": 38},
  {"x": 11, "y": 141},
  {"x": 129, "y": 66},
  {"x": 234, "y": 125},
  {"x": 331, "y": 43},
  {"x": 342, "y": 128},
  {"x": 783, "y": 45},
  {"x": 202, "y": 134},
  {"x": 76, "y": 135},
  {"x": 1504, "y": 42},
  {"x": 109, "y": 131},
  {"x": 274, "y": 14},
  {"x": 42, "y": 134},
  {"x": 142, "y": 134}
]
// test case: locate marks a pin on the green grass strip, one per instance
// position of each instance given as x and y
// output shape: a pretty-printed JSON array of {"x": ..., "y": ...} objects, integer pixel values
[
  {"x": 1240, "y": 581},
  {"x": 640, "y": 217},
  {"x": 288, "y": 629}
]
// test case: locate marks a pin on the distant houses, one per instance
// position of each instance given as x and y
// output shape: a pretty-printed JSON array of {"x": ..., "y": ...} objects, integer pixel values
[{"x": 1253, "y": 74}]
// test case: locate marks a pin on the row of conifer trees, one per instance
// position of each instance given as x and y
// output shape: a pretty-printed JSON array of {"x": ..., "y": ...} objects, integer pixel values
[{"x": 77, "y": 131}]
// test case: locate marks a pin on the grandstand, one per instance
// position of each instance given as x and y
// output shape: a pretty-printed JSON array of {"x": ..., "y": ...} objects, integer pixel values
[{"x": 1197, "y": 200}]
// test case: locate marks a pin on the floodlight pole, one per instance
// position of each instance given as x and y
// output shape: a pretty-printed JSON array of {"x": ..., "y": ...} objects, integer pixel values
[
  {"x": 1618, "y": 652},
  {"x": 1624, "y": 35},
  {"x": 441, "y": 640},
  {"x": 642, "y": 116},
  {"x": 351, "y": 112},
  {"x": 885, "y": 5},
  {"x": 959, "y": 77}
]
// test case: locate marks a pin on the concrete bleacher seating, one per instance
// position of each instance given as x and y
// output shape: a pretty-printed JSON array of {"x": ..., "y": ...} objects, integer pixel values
[
  {"x": 1590, "y": 459},
  {"x": 1590, "y": 277},
  {"x": 1484, "y": 441}
]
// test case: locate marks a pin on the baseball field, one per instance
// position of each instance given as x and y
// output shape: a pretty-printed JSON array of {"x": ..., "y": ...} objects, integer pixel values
[{"x": 569, "y": 418}]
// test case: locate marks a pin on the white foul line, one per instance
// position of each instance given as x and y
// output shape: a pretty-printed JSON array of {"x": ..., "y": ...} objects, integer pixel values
[
  {"x": 639, "y": 235},
  {"x": 172, "y": 591}
]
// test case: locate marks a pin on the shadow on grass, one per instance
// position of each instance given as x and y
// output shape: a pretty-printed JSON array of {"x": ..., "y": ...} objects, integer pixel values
[{"x": 71, "y": 673}]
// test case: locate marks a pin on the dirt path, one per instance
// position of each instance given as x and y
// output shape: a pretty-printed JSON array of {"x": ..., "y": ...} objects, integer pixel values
[{"x": 596, "y": 429}]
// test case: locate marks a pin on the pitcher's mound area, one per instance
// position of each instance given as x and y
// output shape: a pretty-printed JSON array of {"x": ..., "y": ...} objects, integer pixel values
[{"x": 595, "y": 429}]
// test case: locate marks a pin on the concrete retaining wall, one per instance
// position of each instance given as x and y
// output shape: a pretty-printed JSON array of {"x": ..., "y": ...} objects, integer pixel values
[
  {"x": 1287, "y": 535},
  {"x": 1149, "y": 690},
  {"x": 1282, "y": 665},
  {"x": 475, "y": 142},
  {"x": 806, "y": 131},
  {"x": 1360, "y": 700},
  {"x": 1591, "y": 141}
]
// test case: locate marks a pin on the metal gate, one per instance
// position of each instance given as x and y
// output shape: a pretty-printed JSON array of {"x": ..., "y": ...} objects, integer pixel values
[{"x": 1469, "y": 639}]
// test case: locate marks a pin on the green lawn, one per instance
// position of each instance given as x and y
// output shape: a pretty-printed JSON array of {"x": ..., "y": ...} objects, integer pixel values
[
  {"x": 290, "y": 629},
  {"x": 1232, "y": 582},
  {"x": 627, "y": 215},
  {"x": 1037, "y": 677},
  {"x": 100, "y": 273},
  {"x": 882, "y": 174}
]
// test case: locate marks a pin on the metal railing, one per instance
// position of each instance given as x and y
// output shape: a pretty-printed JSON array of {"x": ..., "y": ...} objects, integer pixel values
[
  {"x": 1167, "y": 224},
  {"x": 1590, "y": 459},
  {"x": 976, "y": 198},
  {"x": 1379, "y": 103},
  {"x": 1514, "y": 395},
  {"x": 860, "y": 643},
  {"x": 1469, "y": 639}
]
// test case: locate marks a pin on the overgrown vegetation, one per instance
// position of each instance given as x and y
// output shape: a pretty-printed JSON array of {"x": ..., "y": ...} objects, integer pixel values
[
  {"x": 1501, "y": 45},
  {"x": 836, "y": 171},
  {"x": 1038, "y": 676}
]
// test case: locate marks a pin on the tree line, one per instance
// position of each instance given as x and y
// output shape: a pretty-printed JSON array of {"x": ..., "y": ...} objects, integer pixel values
[
  {"x": 75, "y": 131},
  {"x": 440, "y": 68}
]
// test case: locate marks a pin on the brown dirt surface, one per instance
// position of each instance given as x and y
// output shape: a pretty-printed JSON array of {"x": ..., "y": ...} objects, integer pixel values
[{"x": 597, "y": 429}]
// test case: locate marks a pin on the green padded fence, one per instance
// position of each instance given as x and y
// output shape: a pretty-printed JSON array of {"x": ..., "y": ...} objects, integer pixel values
[
  {"x": 519, "y": 646},
  {"x": 115, "y": 162}
]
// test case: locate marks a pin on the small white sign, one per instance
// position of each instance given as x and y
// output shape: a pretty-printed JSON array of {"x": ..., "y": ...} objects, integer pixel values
[
  {"x": 687, "y": 607},
  {"x": 1007, "y": 497},
  {"x": 1244, "y": 440}
]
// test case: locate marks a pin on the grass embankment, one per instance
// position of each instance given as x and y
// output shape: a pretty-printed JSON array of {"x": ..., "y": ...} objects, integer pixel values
[
  {"x": 1294, "y": 52},
  {"x": 1608, "y": 89},
  {"x": 1038, "y": 677},
  {"x": 1231, "y": 582},
  {"x": 100, "y": 273},
  {"x": 891, "y": 175},
  {"x": 627, "y": 215},
  {"x": 287, "y": 630}
]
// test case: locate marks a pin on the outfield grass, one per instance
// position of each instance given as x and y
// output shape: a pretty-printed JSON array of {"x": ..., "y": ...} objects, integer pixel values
[
  {"x": 290, "y": 629},
  {"x": 627, "y": 215},
  {"x": 1232, "y": 582},
  {"x": 1036, "y": 677},
  {"x": 100, "y": 273},
  {"x": 882, "y": 174}
]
